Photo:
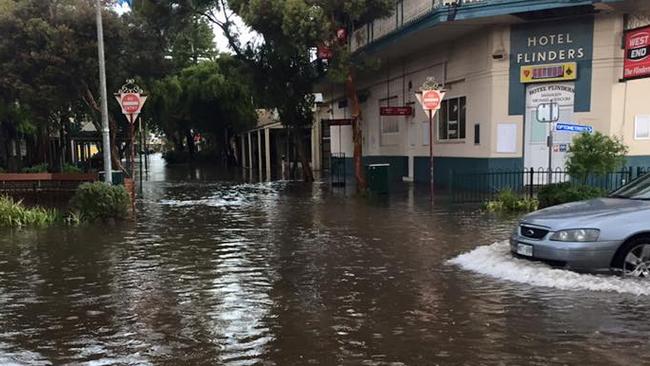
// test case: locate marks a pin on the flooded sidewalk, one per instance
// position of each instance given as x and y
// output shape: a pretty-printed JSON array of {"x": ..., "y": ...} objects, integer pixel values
[{"x": 220, "y": 272}]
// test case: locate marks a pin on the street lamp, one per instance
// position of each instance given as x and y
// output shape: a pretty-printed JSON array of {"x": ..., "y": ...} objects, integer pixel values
[{"x": 106, "y": 138}]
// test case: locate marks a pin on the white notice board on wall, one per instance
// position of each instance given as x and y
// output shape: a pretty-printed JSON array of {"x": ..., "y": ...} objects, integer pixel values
[
  {"x": 642, "y": 128},
  {"x": 507, "y": 138}
]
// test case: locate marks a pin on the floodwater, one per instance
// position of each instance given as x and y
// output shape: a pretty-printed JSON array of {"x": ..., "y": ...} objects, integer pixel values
[{"x": 219, "y": 272}]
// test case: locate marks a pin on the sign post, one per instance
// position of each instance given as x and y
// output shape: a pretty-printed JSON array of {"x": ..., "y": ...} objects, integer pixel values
[
  {"x": 549, "y": 113},
  {"x": 131, "y": 98},
  {"x": 430, "y": 97}
]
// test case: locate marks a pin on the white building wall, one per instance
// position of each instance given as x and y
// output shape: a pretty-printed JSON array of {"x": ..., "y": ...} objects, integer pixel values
[{"x": 471, "y": 71}]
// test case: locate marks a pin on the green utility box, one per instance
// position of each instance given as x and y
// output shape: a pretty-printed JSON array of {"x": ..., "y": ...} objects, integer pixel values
[
  {"x": 118, "y": 177},
  {"x": 378, "y": 176}
]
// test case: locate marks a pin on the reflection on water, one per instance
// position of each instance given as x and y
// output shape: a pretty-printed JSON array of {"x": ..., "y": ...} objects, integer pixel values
[{"x": 217, "y": 272}]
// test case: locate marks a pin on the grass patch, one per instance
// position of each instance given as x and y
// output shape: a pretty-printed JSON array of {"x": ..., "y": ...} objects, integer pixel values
[
  {"x": 14, "y": 214},
  {"x": 508, "y": 201}
]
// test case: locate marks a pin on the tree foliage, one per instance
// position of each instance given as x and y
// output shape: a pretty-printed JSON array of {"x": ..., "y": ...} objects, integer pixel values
[
  {"x": 207, "y": 98},
  {"x": 284, "y": 64},
  {"x": 49, "y": 70},
  {"x": 292, "y": 27},
  {"x": 49, "y": 67},
  {"x": 595, "y": 154}
]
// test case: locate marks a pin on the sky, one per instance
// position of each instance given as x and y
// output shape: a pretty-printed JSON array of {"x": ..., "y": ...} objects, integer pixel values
[{"x": 219, "y": 39}]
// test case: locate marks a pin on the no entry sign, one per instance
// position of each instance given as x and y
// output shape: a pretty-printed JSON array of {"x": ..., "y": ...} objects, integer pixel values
[
  {"x": 431, "y": 100},
  {"x": 130, "y": 103}
]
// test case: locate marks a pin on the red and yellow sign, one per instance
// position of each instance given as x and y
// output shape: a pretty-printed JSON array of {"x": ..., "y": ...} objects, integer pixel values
[
  {"x": 637, "y": 53},
  {"x": 544, "y": 73}
]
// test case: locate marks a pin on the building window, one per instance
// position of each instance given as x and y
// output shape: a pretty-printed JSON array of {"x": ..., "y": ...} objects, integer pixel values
[
  {"x": 451, "y": 121},
  {"x": 642, "y": 128},
  {"x": 389, "y": 124}
]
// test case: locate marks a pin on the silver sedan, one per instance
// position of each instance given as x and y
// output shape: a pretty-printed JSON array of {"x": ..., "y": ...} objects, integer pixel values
[{"x": 609, "y": 234}]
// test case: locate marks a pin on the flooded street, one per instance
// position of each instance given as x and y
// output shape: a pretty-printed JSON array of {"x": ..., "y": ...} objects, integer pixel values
[{"x": 220, "y": 272}]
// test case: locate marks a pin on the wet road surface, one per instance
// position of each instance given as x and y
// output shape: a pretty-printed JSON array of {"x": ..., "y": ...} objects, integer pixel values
[{"x": 219, "y": 272}]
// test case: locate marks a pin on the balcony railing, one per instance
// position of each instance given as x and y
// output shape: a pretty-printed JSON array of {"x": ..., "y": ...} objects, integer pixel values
[{"x": 406, "y": 12}]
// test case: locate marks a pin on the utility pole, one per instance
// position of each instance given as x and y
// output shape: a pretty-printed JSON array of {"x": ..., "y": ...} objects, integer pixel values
[{"x": 106, "y": 138}]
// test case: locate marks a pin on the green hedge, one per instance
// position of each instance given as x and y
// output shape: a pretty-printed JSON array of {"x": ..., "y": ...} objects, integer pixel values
[
  {"x": 556, "y": 194},
  {"x": 39, "y": 168},
  {"x": 71, "y": 168},
  {"x": 100, "y": 202}
]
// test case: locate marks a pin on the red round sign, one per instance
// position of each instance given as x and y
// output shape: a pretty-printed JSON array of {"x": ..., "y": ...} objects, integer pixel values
[
  {"x": 130, "y": 103},
  {"x": 431, "y": 99}
]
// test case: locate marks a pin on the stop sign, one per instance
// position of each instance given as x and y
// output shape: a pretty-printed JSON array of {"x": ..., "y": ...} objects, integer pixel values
[
  {"x": 130, "y": 103},
  {"x": 431, "y": 99}
]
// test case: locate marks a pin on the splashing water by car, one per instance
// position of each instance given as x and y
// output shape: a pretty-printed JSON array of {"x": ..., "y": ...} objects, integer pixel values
[{"x": 602, "y": 235}]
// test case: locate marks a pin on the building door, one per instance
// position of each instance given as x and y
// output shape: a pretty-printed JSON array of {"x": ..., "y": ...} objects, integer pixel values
[{"x": 536, "y": 149}]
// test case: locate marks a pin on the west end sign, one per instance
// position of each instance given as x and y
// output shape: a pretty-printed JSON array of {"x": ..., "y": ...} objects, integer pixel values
[{"x": 547, "y": 47}]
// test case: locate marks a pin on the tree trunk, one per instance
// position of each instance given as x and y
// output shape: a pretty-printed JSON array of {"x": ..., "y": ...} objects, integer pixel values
[
  {"x": 42, "y": 147},
  {"x": 91, "y": 102},
  {"x": 178, "y": 142},
  {"x": 115, "y": 151},
  {"x": 357, "y": 132},
  {"x": 307, "y": 173}
]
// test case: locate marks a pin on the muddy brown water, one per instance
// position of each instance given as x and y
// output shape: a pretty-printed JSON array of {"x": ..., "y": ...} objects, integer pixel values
[{"x": 220, "y": 272}]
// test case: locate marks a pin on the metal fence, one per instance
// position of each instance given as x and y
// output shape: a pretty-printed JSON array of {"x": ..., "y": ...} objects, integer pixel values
[
  {"x": 338, "y": 173},
  {"x": 481, "y": 187}
]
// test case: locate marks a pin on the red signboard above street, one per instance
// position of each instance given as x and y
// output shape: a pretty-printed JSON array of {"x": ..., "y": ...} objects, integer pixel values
[
  {"x": 637, "y": 53},
  {"x": 396, "y": 111}
]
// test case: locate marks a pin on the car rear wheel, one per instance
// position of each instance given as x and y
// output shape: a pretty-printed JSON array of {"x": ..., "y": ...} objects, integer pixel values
[{"x": 634, "y": 258}]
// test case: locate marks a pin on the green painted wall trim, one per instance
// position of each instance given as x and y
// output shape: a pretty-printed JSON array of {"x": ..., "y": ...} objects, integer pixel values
[
  {"x": 638, "y": 161},
  {"x": 444, "y": 166}
]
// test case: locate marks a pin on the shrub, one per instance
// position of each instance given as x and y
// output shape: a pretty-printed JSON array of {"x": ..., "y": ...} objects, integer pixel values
[
  {"x": 100, "y": 201},
  {"x": 595, "y": 154},
  {"x": 71, "y": 168},
  {"x": 2, "y": 170},
  {"x": 14, "y": 214},
  {"x": 175, "y": 157},
  {"x": 39, "y": 168},
  {"x": 508, "y": 201},
  {"x": 556, "y": 194}
]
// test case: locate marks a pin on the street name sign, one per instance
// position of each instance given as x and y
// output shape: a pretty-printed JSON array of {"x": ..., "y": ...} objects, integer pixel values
[{"x": 568, "y": 127}]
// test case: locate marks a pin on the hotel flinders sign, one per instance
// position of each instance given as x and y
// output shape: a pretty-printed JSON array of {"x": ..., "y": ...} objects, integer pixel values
[{"x": 552, "y": 51}]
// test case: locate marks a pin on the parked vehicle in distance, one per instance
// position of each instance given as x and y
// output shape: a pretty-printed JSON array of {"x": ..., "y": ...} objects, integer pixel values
[{"x": 607, "y": 234}]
